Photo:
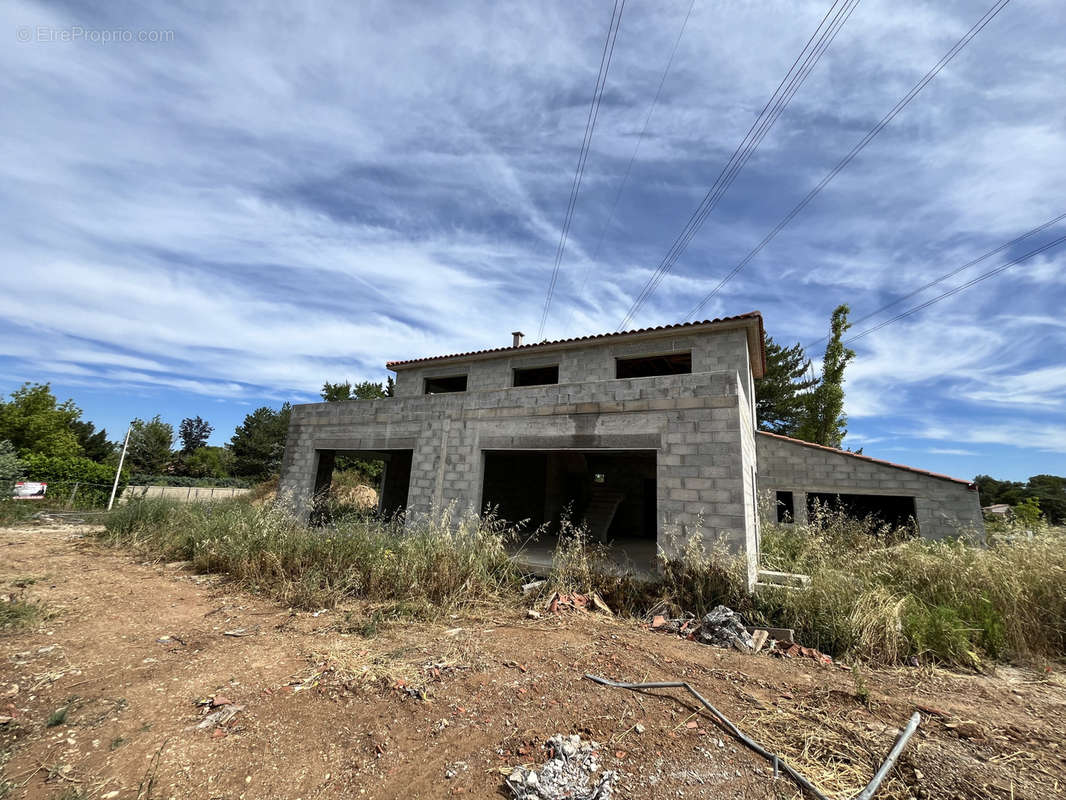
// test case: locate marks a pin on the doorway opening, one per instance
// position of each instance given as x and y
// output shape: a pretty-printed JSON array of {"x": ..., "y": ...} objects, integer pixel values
[{"x": 612, "y": 493}]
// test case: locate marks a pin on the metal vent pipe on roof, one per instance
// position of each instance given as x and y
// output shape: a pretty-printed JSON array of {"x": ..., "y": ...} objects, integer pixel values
[{"x": 517, "y": 341}]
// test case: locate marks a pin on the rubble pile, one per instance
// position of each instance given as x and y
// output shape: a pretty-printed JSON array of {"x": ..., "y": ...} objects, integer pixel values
[
  {"x": 723, "y": 627},
  {"x": 572, "y": 772}
]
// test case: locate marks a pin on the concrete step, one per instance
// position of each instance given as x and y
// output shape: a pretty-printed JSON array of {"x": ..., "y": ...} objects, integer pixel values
[{"x": 788, "y": 580}]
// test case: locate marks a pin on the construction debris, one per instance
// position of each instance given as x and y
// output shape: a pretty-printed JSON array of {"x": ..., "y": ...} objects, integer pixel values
[
  {"x": 578, "y": 602},
  {"x": 217, "y": 718},
  {"x": 785, "y": 650},
  {"x": 778, "y": 763},
  {"x": 724, "y": 627},
  {"x": 572, "y": 772}
]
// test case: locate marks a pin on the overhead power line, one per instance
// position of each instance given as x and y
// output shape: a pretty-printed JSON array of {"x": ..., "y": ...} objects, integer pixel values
[
  {"x": 950, "y": 274},
  {"x": 590, "y": 126},
  {"x": 636, "y": 149},
  {"x": 865, "y": 140},
  {"x": 960, "y": 288},
  {"x": 812, "y": 51}
]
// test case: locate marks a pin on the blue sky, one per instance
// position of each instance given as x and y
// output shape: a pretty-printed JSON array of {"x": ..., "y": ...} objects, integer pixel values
[{"x": 276, "y": 196}]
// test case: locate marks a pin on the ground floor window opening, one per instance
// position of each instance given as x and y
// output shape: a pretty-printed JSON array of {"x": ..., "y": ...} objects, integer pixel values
[
  {"x": 361, "y": 481},
  {"x": 612, "y": 493}
]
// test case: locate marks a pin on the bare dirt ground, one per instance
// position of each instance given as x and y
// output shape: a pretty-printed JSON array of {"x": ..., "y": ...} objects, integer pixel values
[{"x": 416, "y": 710}]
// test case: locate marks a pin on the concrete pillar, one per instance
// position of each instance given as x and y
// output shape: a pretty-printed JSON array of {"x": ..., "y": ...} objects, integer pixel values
[{"x": 799, "y": 506}]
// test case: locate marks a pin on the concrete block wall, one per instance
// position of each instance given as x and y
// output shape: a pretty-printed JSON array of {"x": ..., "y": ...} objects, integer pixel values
[
  {"x": 698, "y": 424},
  {"x": 944, "y": 506},
  {"x": 725, "y": 350}
]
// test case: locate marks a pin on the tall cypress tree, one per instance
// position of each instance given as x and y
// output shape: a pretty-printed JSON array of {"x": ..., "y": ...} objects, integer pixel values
[
  {"x": 825, "y": 421},
  {"x": 781, "y": 394}
]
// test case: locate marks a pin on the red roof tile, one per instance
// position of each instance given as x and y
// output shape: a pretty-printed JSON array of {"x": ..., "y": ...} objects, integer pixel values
[
  {"x": 752, "y": 315},
  {"x": 839, "y": 452}
]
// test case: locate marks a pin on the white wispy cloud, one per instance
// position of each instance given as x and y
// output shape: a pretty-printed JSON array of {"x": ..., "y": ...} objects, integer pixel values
[{"x": 279, "y": 197}]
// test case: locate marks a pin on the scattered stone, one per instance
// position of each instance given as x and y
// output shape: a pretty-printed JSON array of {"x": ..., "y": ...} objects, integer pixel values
[
  {"x": 638, "y": 728},
  {"x": 456, "y": 768},
  {"x": 967, "y": 729},
  {"x": 220, "y": 700},
  {"x": 758, "y": 639},
  {"x": 241, "y": 632},
  {"x": 217, "y": 718},
  {"x": 798, "y": 651},
  {"x": 533, "y": 614},
  {"x": 572, "y": 772}
]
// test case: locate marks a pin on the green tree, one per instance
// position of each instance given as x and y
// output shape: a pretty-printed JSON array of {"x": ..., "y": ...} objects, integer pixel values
[
  {"x": 824, "y": 420},
  {"x": 209, "y": 462},
  {"x": 35, "y": 422},
  {"x": 781, "y": 394},
  {"x": 149, "y": 449},
  {"x": 94, "y": 443},
  {"x": 194, "y": 433},
  {"x": 11, "y": 468},
  {"x": 1050, "y": 490},
  {"x": 259, "y": 443},
  {"x": 334, "y": 392},
  {"x": 1028, "y": 513},
  {"x": 364, "y": 390}
]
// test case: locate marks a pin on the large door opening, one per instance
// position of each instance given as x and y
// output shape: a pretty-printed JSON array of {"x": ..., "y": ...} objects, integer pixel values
[
  {"x": 896, "y": 510},
  {"x": 611, "y": 492}
]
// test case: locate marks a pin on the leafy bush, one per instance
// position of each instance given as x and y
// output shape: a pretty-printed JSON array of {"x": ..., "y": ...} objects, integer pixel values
[
  {"x": 429, "y": 567},
  {"x": 62, "y": 472},
  {"x": 11, "y": 468}
]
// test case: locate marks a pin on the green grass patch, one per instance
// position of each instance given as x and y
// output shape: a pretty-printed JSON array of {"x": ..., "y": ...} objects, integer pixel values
[{"x": 18, "y": 613}]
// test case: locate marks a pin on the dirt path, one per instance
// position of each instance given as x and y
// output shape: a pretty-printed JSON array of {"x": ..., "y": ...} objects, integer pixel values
[{"x": 415, "y": 711}]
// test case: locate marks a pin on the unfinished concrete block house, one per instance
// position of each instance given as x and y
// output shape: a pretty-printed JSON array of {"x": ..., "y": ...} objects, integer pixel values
[{"x": 648, "y": 436}]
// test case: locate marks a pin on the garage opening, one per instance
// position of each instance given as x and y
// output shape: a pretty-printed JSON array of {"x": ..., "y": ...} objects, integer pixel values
[
  {"x": 361, "y": 482},
  {"x": 898, "y": 511},
  {"x": 647, "y": 366},
  {"x": 612, "y": 493}
]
